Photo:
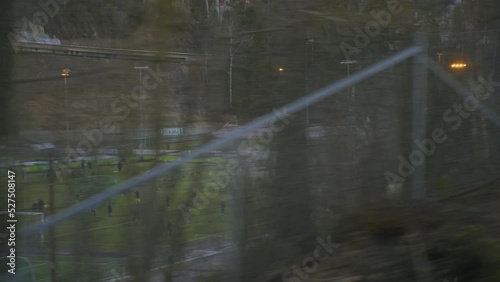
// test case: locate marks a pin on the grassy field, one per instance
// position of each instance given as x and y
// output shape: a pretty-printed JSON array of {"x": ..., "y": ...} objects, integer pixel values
[{"x": 106, "y": 237}]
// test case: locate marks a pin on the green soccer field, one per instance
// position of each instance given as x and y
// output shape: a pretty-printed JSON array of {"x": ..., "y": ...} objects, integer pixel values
[{"x": 109, "y": 238}]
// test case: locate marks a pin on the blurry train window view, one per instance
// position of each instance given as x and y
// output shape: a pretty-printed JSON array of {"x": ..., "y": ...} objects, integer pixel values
[{"x": 250, "y": 140}]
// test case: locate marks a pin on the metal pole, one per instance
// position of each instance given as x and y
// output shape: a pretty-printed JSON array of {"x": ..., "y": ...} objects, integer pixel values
[
  {"x": 350, "y": 91},
  {"x": 140, "y": 105},
  {"x": 52, "y": 233},
  {"x": 140, "y": 109},
  {"x": 236, "y": 226},
  {"x": 25, "y": 187},
  {"x": 419, "y": 100},
  {"x": 65, "y": 73},
  {"x": 231, "y": 57},
  {"x": 42, "y": 233},
  {"x": 348, "y": 74},
  {"x": 308, "y": 67},
  {"x": 66, "y": 107},
  {"x": 419, "y": 95},
  {"x": 495, "y": 56},
  {"x": 307, "y": 90},
  {"x": 307, "y": 82}
]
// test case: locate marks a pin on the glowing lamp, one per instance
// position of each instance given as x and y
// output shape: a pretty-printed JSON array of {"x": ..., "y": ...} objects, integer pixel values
[{"x": 458, "y": 65}]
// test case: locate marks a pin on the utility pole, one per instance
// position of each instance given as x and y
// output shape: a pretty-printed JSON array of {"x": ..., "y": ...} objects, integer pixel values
[
  {"x": 351, "y": 90},
  {"x": 65, "y": 74},
  {"x": 310, "y": 41},
  {"x": 25, "y": 187},
  {"x": 52, "y": 234},
  {"x": 141, "y": 133}
]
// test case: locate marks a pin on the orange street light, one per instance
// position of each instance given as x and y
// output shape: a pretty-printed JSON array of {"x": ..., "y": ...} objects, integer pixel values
[
  {"x": 458, "y": 65},
  {"x": 65, "y": 72}
]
